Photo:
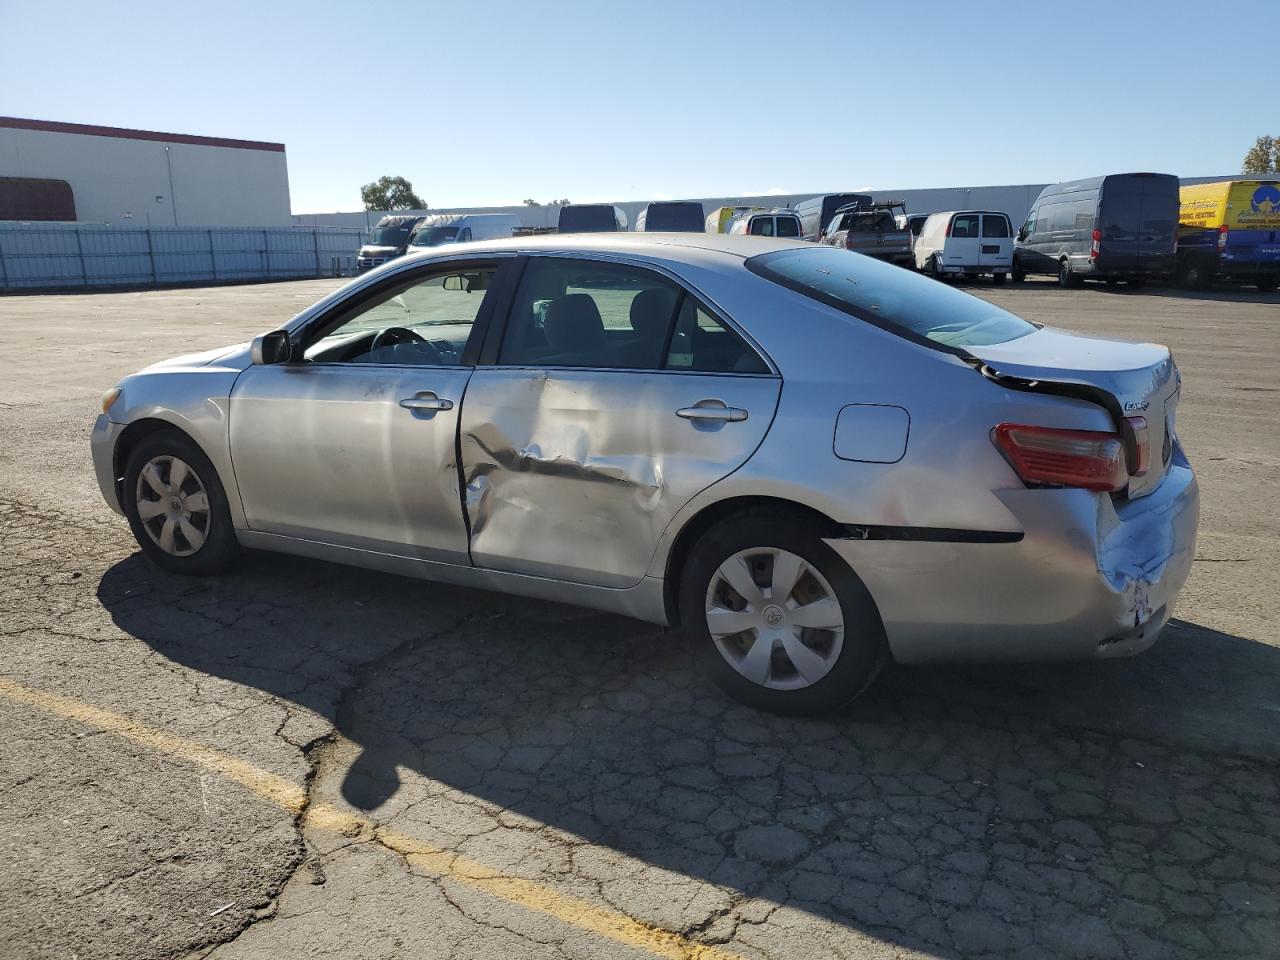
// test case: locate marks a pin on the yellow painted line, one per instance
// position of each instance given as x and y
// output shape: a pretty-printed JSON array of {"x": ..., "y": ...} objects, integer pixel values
[{"x": 423, "y": 857}]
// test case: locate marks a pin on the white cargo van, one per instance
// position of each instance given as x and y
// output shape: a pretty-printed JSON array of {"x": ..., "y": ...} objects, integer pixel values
[
  {"x": 462, "y": 228},
  {"x": 965, "y": 242}
]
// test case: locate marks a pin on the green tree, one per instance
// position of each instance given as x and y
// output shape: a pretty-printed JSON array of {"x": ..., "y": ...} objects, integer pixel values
[
  {"x": 391, "y": 193},
  {"x": 1263, "y": 157}
]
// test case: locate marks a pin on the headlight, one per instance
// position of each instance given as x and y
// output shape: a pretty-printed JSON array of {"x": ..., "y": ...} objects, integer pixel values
[{"x": 110, "y": 397}]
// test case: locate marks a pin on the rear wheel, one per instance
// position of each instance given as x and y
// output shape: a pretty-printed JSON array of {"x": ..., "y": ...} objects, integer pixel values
[
  {"x": 779, "y": 620},
  {"x": 1018, "y": 274},
  {"x": 176, "y": 506},
  {"x": 1066, "y": 276},
  {"x": 935, "y": 269},
  {"x": 1195, "y": 274},
  {"x": 997, "y": 279}
]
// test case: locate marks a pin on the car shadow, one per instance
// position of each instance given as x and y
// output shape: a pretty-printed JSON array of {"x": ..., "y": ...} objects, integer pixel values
[
  {"x": 1224, "y": 293},
  {"x": 1089, "y": 809}
]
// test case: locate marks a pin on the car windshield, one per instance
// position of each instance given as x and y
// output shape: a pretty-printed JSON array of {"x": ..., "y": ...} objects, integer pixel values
[
  {"x": 887, "y": 296},
  {"x": 431, "y": 236},
  {"x": 391, "y": 236}
]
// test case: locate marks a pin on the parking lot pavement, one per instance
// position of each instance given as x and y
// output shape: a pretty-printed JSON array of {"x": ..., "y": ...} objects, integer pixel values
[{"x": 306, "y": 759}]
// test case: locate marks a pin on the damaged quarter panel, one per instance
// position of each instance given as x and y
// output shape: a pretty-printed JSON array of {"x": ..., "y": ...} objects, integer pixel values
[{"x": 574, "y": 474}]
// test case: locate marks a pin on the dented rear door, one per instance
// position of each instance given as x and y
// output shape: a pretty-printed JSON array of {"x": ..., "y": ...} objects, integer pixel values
[{"x": 574, "y": 474}]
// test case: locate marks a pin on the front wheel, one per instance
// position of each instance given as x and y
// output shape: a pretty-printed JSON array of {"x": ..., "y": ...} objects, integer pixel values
[
  {"x": 176, "y": 506},
  {"x": 779, "y": 620}
]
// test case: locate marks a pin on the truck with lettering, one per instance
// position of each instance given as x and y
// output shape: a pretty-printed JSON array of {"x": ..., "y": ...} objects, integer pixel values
[{"x": 1229, "y": 230}]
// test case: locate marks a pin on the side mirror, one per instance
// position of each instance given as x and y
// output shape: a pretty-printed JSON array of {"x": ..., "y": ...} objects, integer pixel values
[
  {"x": 1022, "y": 233},
  {"x": 270, "y": 347},
  {"x": 454, "y": 283}
]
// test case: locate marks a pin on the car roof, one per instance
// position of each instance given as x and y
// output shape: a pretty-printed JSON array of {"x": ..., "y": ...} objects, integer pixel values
[{"x": 663, "y": 246}]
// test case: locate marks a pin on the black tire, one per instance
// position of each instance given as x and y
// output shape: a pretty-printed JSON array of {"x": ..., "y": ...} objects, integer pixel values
[
  {"x": 864, "y": 649},
  {"x": 1017, "y": 275},
  {"x": 935, "y": 269},
  {"x": 1195, "y": 275},
  {"x": 219, "y": 548},
  {"x": 1266, "y": 285},
  {"x": 998, "y": 279},
  {"x": 1067, "y": 277}
]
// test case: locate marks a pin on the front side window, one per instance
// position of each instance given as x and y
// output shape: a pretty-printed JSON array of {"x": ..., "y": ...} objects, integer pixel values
[
  {"x": 419, "y": 322},
  {"x": 908, "y": 304},
  {"x": 995, "y": 225},
  {"x": 965, "y": 225}
]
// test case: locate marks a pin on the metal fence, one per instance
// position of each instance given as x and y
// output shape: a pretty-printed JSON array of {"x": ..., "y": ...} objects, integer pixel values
[{"x": 47, "y": 256}]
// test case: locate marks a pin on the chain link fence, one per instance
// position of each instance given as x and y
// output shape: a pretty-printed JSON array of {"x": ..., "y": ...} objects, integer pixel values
[{"x": 46, "y": 256}]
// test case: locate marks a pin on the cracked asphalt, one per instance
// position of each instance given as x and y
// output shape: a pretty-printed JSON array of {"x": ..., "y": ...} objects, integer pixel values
[{"x": 307, "y": 760}]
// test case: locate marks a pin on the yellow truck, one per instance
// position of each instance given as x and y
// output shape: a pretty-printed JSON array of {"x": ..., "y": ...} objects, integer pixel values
[
  {"x": 721, "y": 218},
  {"x": 1229, "y": 230}
]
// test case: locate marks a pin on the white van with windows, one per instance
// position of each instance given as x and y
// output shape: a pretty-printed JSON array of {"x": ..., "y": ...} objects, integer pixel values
[
  {"x": 463, "y": 228},
  {"x": 767, "y": 223},
  {"x": 965, "y": 243}
]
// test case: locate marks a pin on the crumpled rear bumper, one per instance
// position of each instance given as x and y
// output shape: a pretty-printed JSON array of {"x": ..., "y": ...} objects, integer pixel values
[{"x": 1088, "y": 578}]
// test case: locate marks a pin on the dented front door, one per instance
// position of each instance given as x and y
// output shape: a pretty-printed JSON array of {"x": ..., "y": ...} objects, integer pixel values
[{"x": 574, "y": 474}]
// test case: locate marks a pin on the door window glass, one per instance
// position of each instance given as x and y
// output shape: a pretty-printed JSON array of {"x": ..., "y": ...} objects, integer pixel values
[
  {"x": 995, "y": 226},
  {"x": 587, "y": 313},
  {"x": 965, "y": 225},
  {"x": 420, "y": 322},
  {"x": 702, "y": 343}
]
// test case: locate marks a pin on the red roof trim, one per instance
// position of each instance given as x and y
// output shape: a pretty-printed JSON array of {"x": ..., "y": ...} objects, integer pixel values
[{"x": 122, "y": 133}]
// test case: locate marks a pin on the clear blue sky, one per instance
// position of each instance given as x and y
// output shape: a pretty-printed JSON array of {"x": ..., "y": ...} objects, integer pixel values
[{"x": 491, "y": 102}]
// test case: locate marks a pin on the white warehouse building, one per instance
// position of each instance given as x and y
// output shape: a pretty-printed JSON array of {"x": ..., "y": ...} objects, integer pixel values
[{"x": 139, "y": 178}]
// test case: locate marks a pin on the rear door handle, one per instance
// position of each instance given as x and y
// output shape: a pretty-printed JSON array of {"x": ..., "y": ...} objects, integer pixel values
[
  {"x": 712, "y": 410},
  {"x": 426, "y": 401}
]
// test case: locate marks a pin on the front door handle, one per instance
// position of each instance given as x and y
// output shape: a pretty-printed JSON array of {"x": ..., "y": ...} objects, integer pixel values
[
  {"x": 426, "y": 401},
  {"x": 716, "y": 410}
]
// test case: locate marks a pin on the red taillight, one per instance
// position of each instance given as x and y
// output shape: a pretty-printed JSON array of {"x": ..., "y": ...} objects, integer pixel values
[
  {"x": 1096, "y": 246},
  {"x": 948, "y": 233},
  {"x": 1069, "y": 458},
  {"x": 1097, "y": 235},
  {"x": 1222, "y": 236}
]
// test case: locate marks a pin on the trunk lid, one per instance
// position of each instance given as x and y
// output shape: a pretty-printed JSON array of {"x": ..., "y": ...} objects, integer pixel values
[{"x": 1129, "y": 379}]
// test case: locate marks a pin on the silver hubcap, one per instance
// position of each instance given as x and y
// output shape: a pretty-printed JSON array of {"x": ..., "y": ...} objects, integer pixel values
[
  {"x": 774, "y": 618},
  {"x": 173, "y": 506}
]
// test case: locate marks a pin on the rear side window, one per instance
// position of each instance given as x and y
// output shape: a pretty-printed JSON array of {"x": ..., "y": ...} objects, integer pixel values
[
  {"x": 886, "y": 296},
  {"x": 965, "y": 226},
  {"x": 702, "y": 344},
  {"x": 995, "y": 226}
]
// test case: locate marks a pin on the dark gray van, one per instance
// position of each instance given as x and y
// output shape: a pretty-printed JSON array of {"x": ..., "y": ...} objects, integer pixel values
[
  {"x": 591, "y": 218},
  {"x": 1119, "y": 227},
  {"x": 672, "y": 216},
  {"x": 816, "y": 213},
  {"x": 388, "y": 239}
]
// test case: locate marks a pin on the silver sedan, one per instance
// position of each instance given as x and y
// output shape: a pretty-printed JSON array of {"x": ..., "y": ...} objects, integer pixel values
[{"x": 810, "y": 460}]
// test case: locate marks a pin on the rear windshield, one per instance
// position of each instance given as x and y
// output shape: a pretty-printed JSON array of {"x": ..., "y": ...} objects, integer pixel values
[
  {"x": 788, "y": 227},
  {"x": 995, "y": 226},
  {"x": 905, "y": 303}
]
